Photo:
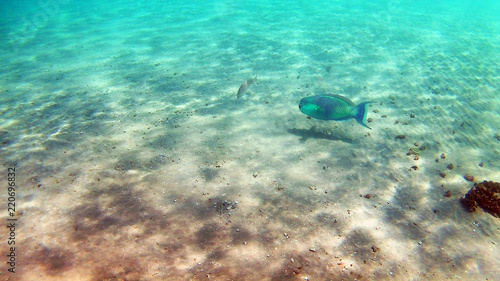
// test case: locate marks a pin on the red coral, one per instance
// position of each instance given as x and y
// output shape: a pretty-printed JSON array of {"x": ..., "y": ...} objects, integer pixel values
[{"x": 485, "y": 195}]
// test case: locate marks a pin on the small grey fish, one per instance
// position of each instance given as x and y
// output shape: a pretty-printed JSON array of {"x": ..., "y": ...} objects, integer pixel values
[{"x": 245, "y": 86}]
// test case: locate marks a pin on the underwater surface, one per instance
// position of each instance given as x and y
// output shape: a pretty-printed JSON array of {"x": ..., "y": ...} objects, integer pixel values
[{"x": 138, "y": 157}]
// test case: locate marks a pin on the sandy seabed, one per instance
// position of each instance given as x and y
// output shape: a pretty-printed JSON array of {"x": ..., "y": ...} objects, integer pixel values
[{"x": 136, "y": 162}]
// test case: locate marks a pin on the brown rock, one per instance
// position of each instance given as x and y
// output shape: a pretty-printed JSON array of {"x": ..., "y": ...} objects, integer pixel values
[
  {"x": 485, "y": 195},
  {"x": 451, "y": 166},
  {"x": 469, "y": 177},
  {"x": 447, "y": 194},
  {"x": 443, "y": 175}
]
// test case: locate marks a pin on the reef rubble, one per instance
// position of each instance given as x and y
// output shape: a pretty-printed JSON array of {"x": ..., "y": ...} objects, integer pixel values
[{"x": 485, "y": 195}]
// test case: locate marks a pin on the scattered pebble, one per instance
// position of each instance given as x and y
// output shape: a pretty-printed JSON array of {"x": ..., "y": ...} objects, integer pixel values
[
  {"x": 443, "y": 156},
  {"x": 312, "y": 250},
  {"x": 415, "y": 150},
  {"x": 225, "y": 206},
  {"x": 469, "y": 177},
  {"x": 375, "y": 111},
  {"x": 447, "y": 194},
  {"x": 375, "y": 249},
  {"x": 450, "y": 166},
  {"x": 497, "y": 136},
  {"x": 416, "y": 157},
  {"x": 412, "y": 115},
  {"x": 443, "y": 175},
  {"x": 369, "y": 120},
  {"x": 384, "y": 116},
  {"x": 400, "y": 137},
  {"x": 481, "y": 164},
  {"x": 414, "y": 168}
]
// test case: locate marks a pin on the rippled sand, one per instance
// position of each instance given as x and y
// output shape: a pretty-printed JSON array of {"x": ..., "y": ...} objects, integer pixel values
[{"x": 135, "y": 160}]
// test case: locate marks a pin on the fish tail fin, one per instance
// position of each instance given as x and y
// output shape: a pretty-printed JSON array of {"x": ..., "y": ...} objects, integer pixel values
[{"x": 361, "y": 112}]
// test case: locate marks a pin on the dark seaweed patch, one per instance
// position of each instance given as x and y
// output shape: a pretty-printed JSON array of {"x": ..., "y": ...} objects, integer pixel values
[
  {"x": 206, "y": 236},
  {"x": 209, "y": 173}
]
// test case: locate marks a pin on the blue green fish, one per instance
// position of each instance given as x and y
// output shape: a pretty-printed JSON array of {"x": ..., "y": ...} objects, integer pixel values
[{"x": 334, "y": 107}]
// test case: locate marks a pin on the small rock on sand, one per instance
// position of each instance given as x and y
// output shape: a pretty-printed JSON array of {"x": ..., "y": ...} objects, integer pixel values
[{"x": 469, "y": 177}]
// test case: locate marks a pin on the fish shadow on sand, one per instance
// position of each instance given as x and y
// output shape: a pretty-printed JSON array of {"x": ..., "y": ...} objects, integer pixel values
[{"x": 313, "y": 133}]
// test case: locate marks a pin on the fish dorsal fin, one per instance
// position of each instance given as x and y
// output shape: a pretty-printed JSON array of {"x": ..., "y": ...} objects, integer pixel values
[{"x": 340, "y": 98}]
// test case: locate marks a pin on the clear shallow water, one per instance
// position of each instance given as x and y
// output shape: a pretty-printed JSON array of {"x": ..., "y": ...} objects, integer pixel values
[{"x": 123, "y": 122}]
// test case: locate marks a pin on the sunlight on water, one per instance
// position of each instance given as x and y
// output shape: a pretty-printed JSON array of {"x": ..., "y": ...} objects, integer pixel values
[{"x": 134, "y": 156}]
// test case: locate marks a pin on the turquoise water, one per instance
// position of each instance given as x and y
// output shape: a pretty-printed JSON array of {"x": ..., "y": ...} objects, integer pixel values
[{"x": 136, "y": 161}]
